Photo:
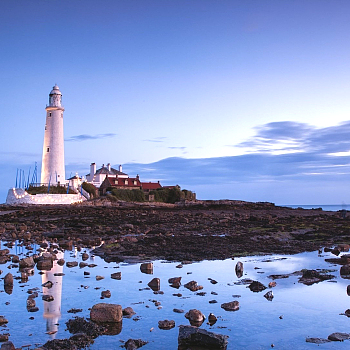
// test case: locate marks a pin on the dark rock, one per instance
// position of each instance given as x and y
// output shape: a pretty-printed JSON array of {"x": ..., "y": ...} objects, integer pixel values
[
  {"x": 74, "y": 311},
  {"x": 128, "y": 312},
  {"x": 310, "y": 277},
  {"x": 256, "y": 286},
  {"x": 48, "y": 297},
  {"x": 80, "y": 325},
  {"x": 82, "y": 264},
  {"x": 106, "y": 294},
  {"x": 3, "y": 320},
  {"x": 317, "y": 340},
  {"x": 4, "y": 337},
  {"x": 195, "y": 317},
  {"x": 71, "y": 263},
  {"x": 8, "y": 279},
  {"x": 133, "y": 344},
  {"x": 154, "y": 284},
  {"x": 147, "y": 268},
  {"x": 239, "y": 269},
  {"x": 175, "y": 282},
  {"x": 47, "y": 284},
  {"x": 8, "y": 345},
  {"x": 179, "y": 311},
  {"x": 231, "y": 306},
  {"x": 338, "y": 336},
  {"x": 27, "y": 262},
  {"x": 30, "y": 303},
  {"x": 44, "y": 264},
  {"x": 104, "y": 312},
  {"x": 85, "y": 256},
  {"x": 166, "y": 324},
  {"x": 116, "y": 275},
  {"x": 60, "y": 262},
  {"x": 192, "y": 336},
  {"x": 212, "y": 319},
  {"x": 193, "y": 286},
  {"x": 99, "y": 278},
  {"x": 269, "y": 295}
]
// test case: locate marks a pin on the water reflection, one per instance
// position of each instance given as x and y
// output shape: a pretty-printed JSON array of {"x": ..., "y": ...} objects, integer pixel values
[
  {"x": 52, "y": 309},
  {"x": 304, "y": 308}
]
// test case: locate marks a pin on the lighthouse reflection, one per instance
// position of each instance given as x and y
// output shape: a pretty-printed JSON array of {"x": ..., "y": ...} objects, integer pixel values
[{"x": 52, "y": 309}]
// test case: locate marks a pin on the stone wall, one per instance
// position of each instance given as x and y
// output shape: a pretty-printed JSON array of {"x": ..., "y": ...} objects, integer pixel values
[{"x": 17, "y": 196}]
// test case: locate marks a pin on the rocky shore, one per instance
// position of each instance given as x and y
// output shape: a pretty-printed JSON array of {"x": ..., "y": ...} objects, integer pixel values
[{"x": 191, "y": 231}]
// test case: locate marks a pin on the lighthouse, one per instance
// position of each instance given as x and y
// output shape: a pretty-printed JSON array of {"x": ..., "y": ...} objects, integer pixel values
[{"x": 52, "y": 166}]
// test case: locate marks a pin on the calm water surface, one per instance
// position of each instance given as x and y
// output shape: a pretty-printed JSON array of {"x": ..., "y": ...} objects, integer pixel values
[{"x": 308, "y": 311}]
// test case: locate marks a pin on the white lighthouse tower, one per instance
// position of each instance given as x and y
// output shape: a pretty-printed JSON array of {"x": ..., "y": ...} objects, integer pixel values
[{"x": 52, "y": 166}]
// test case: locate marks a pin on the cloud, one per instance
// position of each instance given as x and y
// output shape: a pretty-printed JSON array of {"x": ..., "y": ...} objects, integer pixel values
[
  {"x": 182, "y": 148},
  {"x": 286, "y": 162},
  {"x": 85, "y": 137},
  {"x": 292, "y": 137},
  {"x": 156, "y": 139}
]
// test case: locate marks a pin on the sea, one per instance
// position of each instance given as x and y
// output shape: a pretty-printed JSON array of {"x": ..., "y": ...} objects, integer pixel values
[{"x": 327, "y": 207}]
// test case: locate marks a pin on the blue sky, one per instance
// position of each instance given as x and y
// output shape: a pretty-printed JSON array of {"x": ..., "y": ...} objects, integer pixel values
[{"x": 233, "y": 99}]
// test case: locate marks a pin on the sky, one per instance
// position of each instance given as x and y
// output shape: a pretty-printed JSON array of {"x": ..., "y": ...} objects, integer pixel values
[{"x": 233, "y": 99}]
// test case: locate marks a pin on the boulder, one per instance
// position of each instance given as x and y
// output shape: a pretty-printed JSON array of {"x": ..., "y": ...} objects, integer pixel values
[
  {"x": 71, "y": 263},
  {"x": 128, "y": 312},
  {"x": 175, "y": 282},
  {"x": 339, "y": 336},
  {"x": 44, "y": 264},
  {"x": 239, "y": 269},
  {"x": 193, "y": 286},
  {"x": 106, "y": 294},
  {"x": 212, "y": 319},
  {"x": 231, "y": 306},
  {"x": 147, "y": 268},
  {"x": 116, "y": 275},
  {"x": 8, "y": 345},
  {"x": 345, "y": 270},
  {"x": 133, "y": 344},
  {"x": 3, "y": 320},
  {"x": 47, "y": 297},
  {"x": 256, "y": 286},
  {"x": 154, "y": 284},
  {"x": 192, "y": 336},
  {"x": 310, "y": 277},
  {"x": 269, "y": 295},
  {"x": 60, "y": 262},
  {"x": 47, "y": 284},
  {"x": 85, "y": 256},
  {"x": 104, "y": 312},
  {"x": 8, "y": 279},
  {"x": 195, "y": 317},
  {"x": 166, "y": 324}
]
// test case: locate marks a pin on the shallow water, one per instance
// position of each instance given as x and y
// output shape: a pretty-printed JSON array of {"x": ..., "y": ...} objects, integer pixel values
[{"x": 308, "y": 311}]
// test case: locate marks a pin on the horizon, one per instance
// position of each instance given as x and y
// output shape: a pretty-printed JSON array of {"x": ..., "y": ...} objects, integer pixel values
[{"x": 239, "y": 100}]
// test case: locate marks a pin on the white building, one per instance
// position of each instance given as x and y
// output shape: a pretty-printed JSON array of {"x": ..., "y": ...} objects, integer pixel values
[
  {"x": 52, "y": 166},
  {"x": 96, "y": 177}
]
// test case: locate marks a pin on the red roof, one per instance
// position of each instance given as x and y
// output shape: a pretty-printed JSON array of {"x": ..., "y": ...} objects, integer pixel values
[
  {"x": 129, "y": 182},
  {"x": 150, "y": 185}
]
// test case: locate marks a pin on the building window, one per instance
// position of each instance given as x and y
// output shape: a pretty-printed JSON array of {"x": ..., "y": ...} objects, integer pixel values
[
  {"x": 50, "y": 114},
  {"x": 48, "y": 149}
]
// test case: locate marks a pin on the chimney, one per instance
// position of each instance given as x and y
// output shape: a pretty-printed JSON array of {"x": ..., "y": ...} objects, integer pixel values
[
  {"x": 92, "y": 170},
  {"x": 120, "y": 168},
  {"x": 137, "y": 177},
  {"x": 109, "y": 166}
]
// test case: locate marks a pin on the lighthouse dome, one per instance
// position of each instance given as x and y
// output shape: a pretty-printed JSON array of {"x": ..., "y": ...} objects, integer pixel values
[{"x": 55, "y": 90}]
